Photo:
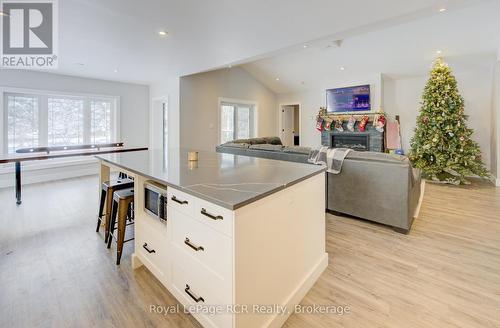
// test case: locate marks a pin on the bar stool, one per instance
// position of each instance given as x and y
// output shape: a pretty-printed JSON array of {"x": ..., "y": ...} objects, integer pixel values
[
  {"x": 107, "y": 190},
  {"x": 122, "y": 202}
]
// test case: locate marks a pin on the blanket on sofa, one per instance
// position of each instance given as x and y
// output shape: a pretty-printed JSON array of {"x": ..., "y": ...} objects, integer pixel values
[{"x": 333, "y": 158}]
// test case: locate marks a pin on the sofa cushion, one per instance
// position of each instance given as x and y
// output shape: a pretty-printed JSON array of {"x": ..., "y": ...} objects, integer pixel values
[
  {"x": 236, "y": 145},
  {"x": 297, "y": 150},
  {"x": 269, "y": 147},
  {"x": 239, "y": 141},
  {"x": 273, "y": 140},
  {"x": 376, "y": 156}
]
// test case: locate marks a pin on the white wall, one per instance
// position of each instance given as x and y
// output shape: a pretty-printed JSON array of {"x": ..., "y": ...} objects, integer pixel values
[
  {"x": 403, "y": 96},
  {"x": 310, "y": 101},
  {"x": 134, "y": 116},
  {"x": 199, "y": 102}
]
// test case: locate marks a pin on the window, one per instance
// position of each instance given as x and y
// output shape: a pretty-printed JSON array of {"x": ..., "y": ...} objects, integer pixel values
[
  {"x": 22, "y": 121},
  {"x": 236, "y": 121},
  {"x": 33, "y": 120}
]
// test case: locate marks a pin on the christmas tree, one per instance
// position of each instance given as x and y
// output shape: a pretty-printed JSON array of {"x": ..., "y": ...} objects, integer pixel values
[{"x": 442, "y": 146}]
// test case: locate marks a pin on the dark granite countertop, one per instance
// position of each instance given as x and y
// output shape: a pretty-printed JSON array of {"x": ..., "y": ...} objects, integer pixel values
[{"x": 227, "y": 180}]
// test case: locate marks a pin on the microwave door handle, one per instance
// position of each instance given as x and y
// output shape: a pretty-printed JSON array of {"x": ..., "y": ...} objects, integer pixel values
[{"x": 158, "y": 208}]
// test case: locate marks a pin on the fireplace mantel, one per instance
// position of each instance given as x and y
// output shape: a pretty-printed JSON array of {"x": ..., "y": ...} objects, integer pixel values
[{"x": 375, "y": 138}]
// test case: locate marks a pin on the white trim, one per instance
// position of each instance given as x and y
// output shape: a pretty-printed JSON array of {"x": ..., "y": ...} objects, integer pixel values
[
  {"x": 39, "y": 165},
  {"x": 280, "y": 118},
  {"x": 55, "y": 172},
  {"x": 253, "y": 103},
  {"x": 151, "y": 116}
]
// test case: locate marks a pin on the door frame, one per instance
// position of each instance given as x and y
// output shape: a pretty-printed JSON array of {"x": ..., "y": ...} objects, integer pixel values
[
  {"x": 152, "y": 129},
  {"x": 280, "y": 118}
]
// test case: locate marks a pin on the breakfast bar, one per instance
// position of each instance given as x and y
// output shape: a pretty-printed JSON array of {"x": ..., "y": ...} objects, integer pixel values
[{"x": 236, "y": 233}]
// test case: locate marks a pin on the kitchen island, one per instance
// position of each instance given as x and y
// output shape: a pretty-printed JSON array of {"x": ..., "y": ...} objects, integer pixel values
[{"x": 243, "y": 240}]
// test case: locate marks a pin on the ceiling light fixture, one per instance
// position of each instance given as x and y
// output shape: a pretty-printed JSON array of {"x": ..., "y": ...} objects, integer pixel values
[
  {"x": 305, "y": 46},
  {"x": 277, "y": 79},
  {"x": 115, "y": 70},
  {"x": 162, "y": 33},
  {"x": 442, "y": 10},
  {"x": 342, "y": 68}
]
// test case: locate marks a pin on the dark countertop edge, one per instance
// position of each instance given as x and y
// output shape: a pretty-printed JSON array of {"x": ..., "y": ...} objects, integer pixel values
[{"x": 214, "y": 200}]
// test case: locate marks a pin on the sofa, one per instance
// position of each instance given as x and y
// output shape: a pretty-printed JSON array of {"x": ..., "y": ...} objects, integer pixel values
[{"x": 378, "y": 187}]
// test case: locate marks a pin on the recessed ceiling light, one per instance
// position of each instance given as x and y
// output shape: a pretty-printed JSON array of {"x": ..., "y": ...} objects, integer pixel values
[
  {"x": 115, "y": 70},
  {"x": 277, "y": 79},
  {"x": 162, "y": 33},
  {"x": 305, "y": 46},
  {"x": 442, "y": 10},
  {"x": 342, "y": 68}
]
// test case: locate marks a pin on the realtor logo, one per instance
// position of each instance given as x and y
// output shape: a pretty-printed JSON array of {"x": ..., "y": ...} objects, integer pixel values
[{"x": 29, "y": 34}]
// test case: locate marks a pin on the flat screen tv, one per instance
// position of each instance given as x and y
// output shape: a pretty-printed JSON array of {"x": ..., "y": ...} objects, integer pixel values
[{"x": 350, "y": 99}]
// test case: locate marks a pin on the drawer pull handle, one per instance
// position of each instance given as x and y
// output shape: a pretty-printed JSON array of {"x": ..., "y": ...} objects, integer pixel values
[
  {"x": 213, "y": 217},
  {"x": 193, "y": 296},
  {"x": 145, "y": 246},
  {"x": 193, "y": 246},
  {"x": 182, "y": 202}
]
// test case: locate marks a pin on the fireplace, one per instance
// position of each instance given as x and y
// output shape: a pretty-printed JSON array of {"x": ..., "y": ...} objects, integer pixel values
[{"x": 360, "y": 142}]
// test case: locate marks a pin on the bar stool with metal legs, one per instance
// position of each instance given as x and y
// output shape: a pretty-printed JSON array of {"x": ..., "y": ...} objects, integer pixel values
[
  {"x": 122, "y": 202},
  {"x": 107, "y": 190}
]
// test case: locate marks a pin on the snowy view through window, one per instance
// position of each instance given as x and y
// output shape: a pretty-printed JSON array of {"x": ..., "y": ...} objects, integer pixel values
[{"x": 42, "y": 120}]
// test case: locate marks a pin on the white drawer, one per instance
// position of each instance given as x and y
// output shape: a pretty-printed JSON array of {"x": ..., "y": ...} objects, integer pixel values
[
  {"x": 152, "y": 247},
  {"x": 211, "y": 248},
  {"x": 214, "y": 216},
  {"x": 194, "y": 292},
  {"x": 180, "y": 201}
]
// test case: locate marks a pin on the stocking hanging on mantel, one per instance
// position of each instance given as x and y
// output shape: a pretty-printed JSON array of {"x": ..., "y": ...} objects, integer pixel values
[
  {"x": 319, "y": 123},
  {"x": 362, "y": 124},
  {"x": 442, "y": 146},
  {"x": 338, "y": 125},
  {"x": 351, "y": 123}
]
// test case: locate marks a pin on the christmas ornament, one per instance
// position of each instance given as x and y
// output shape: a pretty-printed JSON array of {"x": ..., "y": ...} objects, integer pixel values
[
  {"x": 362, "y": 124},
  {"x": 351, "y": 123}
]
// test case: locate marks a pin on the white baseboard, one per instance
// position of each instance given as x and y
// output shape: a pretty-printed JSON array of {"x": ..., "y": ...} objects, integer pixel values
[{"x": 30, "y": 175}]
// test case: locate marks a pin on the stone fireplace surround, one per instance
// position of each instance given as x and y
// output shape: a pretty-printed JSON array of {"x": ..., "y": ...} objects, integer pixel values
[{"x": 375, "y": 138}]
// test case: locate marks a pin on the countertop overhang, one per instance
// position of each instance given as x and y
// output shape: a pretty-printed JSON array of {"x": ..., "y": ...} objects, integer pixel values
[{"x": 231, "y": 181}]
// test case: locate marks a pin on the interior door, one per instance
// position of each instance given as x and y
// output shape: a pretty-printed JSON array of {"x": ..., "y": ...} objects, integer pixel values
[{"x": 287, "y": 130}]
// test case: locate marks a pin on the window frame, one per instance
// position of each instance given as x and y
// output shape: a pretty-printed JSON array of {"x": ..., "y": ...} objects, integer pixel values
[
  {"x": 43, "y": 96},
  {"x": 253, "y": 128}
]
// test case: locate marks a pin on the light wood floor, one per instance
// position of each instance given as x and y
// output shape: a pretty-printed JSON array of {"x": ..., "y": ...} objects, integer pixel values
[{"x": 56, "y": 272}]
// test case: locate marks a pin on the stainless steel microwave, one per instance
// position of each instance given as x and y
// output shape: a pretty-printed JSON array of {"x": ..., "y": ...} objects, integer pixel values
[{"x": 155, "y": 200}]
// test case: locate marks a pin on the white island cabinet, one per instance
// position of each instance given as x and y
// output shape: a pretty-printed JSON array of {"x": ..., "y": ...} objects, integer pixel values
[{"x": 232, "y": 253}]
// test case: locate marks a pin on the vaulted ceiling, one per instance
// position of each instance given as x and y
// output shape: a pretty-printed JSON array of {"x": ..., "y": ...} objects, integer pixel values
[
  {"x": 467, "y": 37},
  {"x": 118, "y": 39}
]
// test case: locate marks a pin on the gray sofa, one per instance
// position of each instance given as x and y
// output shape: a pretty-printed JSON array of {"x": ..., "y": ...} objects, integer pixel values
[{"x": 378, "y": 187}]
